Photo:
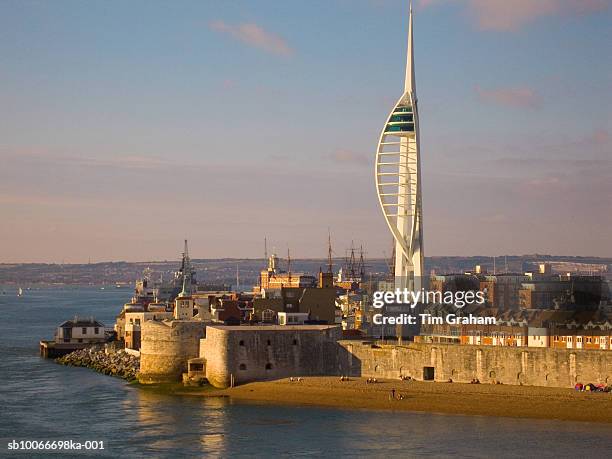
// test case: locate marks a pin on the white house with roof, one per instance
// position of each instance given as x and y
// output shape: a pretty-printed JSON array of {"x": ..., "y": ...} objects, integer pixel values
[{"x": 80, "y": 330}]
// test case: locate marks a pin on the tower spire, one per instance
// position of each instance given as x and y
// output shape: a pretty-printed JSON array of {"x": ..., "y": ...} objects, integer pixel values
[
  {"x": 410, "y": 84},
  {"x": 187, "y": 272},
  {"x": 330, "y": 266}
]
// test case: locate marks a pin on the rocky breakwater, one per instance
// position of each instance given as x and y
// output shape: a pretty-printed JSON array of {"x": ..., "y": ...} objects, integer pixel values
[{"x": 119, "y": 363}]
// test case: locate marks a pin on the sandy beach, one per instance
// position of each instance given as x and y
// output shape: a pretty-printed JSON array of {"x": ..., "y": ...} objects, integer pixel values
[{"x": 437, "y": 397}]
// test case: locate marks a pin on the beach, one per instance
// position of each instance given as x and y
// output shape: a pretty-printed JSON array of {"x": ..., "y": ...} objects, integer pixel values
[{"x": 435, "y": 397}]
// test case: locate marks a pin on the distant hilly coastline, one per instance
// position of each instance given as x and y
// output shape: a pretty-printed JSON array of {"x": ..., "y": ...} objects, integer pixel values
[{"x": 225, "y": 270}]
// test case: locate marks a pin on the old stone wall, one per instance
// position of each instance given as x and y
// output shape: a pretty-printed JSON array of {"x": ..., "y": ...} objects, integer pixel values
[
  {"x": 253, "y": 353},
  {"x": 508, "y": 365},
  {"x": 166, "y": 347},
  {"x": 245, "y": 354}
]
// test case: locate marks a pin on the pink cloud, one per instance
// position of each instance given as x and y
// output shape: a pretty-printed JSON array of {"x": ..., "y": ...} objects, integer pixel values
[
  {"x": 599, "y": 137},
  {"x": 253, "y": 35},
  {"x": 349, "y": 157},
  {"x": 508, "y": 15},
  {"x": 518, "y": 97}
]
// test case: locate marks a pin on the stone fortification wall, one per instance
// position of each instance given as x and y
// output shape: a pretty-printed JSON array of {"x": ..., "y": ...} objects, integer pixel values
[
  {"x": 508, "y": 365},
  {"x": 253, "y": 353},
  {"x": 166, "y": 347},
  {"x": 245, "y": 354}
]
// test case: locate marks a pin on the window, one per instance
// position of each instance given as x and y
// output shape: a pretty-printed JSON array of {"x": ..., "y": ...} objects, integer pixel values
[
  {"x": 97, "y": 330},
  {"x": 268, "y": 366},
  {"x": 80, "y": 340},
  {"x": 84, "y": 331},
  {"x": 241, "y": 343},
  {"x": 242, "y": 366},
  {"x": 268, "y": 315}
]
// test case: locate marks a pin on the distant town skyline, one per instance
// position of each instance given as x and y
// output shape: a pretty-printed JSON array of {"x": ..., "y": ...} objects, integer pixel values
[{"x": 128, "y": 127}]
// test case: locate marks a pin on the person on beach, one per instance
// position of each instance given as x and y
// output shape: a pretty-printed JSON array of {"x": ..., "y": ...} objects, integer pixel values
[{"x": 392, "y": 395}]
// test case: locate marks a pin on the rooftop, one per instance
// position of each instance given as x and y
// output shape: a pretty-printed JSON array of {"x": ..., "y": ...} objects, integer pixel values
[{"x": 273, "y": 327}]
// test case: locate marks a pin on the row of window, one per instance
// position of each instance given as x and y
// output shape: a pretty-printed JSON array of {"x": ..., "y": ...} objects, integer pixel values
[
  {"x": 401, "y": 118},
  {"x": 588, "y": 339},
  {"x": 400, "y": 128}
]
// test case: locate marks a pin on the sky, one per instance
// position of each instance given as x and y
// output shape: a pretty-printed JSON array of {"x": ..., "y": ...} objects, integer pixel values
[{"x": 126, "y": 127}]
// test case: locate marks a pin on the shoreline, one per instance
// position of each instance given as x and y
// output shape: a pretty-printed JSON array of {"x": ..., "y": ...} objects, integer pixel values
[{"x": 428, "y": 397}]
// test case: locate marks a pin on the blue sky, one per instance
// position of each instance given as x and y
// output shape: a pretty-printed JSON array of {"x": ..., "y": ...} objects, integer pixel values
[{"x": 127, "y": 126}]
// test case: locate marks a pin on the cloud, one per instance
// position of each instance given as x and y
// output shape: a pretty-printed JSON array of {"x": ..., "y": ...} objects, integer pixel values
[
  {"x": 349, "y": 157},
  {"x": 127, "y": 161},
  {"x": 517, "y": 97},
  {"x": 510, "y": 15},
  {"x": 598, "y": 137},
  {"x": 256, "y": 36}
]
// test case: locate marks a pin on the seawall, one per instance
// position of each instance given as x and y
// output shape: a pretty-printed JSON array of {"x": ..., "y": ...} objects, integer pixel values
[{"x": 461, "y": 363}]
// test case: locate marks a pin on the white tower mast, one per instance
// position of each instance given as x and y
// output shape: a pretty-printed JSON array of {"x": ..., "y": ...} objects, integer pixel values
[{"x": 398, "y": 180}]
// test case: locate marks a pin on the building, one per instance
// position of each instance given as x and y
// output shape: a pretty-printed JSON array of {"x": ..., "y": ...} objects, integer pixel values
[
  {"x": 79, "y": 330},
  {"x": 398, "y": 180},
  {"x": 560, "y": 329},
  {"x": 454, "y": 283},
  {"x": 273, "y": 278},
  {"x": 292, "y": 318},
  {"x": 74, "y": 334},
  {"x": 502, "y": 290},
  {"x": 183, "y": 306},
  {"x": 563, "y": 292},
  {"x": 133, "y": 321},
  {"x": 318, "y": 303}
]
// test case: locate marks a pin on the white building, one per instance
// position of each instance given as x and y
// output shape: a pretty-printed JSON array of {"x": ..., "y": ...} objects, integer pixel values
[
  {"x": 80, "y": 330},
  {"x": 292, "y": 318}
]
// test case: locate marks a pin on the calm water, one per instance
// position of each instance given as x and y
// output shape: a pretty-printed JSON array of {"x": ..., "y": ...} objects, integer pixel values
[{"x": 40, "y": 400}]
